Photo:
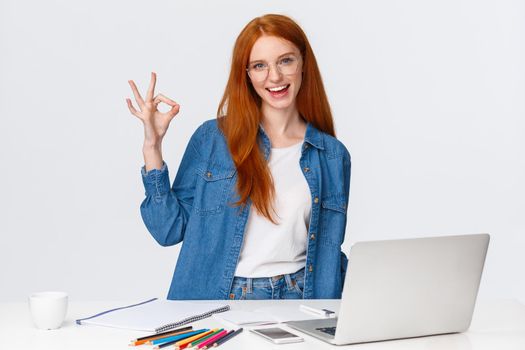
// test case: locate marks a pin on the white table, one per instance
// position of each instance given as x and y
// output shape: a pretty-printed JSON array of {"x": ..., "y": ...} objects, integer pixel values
[{"x": 497, "y": 325}]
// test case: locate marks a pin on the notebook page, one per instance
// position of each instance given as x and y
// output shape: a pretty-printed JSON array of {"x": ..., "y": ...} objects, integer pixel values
[{"x": 147, "y": 317}]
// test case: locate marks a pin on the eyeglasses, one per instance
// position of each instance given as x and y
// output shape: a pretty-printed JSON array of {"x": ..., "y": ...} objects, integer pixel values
[{"x": 288, "y": 65}]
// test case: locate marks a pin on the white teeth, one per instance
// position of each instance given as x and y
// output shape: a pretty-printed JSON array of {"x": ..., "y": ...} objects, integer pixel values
[{"x": 278, "y": 88}]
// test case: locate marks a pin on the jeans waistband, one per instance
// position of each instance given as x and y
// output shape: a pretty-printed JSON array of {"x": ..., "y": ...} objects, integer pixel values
[{"x": 289, "y": 279}]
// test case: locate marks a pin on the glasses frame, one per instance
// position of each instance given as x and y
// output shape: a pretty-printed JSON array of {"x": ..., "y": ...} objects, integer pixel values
[{"x": 299, "y": 63}]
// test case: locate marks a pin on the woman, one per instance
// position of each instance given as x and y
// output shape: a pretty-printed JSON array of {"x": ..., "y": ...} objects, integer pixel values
[{"x": 260, "y": 197}]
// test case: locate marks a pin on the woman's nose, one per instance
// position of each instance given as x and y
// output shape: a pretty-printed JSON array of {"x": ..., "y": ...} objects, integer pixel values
[{"x": 274, "y": 74}]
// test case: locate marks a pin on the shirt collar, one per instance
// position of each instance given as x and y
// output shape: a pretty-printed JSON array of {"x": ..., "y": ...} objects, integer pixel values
[{"x": 312, "y": 136}]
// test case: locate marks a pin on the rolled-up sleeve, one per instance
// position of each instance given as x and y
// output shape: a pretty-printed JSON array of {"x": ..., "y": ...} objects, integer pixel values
[
  {"x": 156, "y": 182},
  {"x": 166, "y": 210}
]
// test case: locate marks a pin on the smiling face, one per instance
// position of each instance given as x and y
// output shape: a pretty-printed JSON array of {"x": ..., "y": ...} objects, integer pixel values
[{"x": 273, "y": 52}]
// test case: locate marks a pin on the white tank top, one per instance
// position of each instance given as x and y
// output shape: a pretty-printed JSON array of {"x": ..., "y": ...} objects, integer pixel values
[{"x": 269, "y": 249}]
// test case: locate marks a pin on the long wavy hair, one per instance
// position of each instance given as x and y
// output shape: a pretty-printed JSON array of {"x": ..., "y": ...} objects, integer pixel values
[{"x": 239, "y": 112}]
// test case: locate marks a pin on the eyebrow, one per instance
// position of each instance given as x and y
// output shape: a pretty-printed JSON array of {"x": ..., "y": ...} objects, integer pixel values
[{"x": 284, "y": 54}]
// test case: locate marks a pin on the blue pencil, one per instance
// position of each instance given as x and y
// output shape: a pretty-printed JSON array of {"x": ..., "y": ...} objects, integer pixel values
[{"x": 177, "y": 337}]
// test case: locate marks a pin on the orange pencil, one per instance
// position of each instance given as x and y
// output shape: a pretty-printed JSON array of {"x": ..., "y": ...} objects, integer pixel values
[
  {"x": 146, "y": 339},
  {"x": 151, "y": 341},
  {"x": 183, "y": 343},
  {"x": 170, "y": 341},
  {"x": 200, "y": 340}
]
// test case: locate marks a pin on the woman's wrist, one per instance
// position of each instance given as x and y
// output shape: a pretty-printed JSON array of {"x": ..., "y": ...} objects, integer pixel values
[
  {"x": 152, "y": 156},
  {"x": 152, "y": 147}
]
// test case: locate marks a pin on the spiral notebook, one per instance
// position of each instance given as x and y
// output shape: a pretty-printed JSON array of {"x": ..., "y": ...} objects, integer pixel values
[{"x": 154, "y": 315}]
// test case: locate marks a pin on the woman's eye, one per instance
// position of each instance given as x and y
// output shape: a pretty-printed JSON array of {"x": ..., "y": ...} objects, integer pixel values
[
  {"x": 287, "y": 60},
  {"x": 259, "y": 66}
]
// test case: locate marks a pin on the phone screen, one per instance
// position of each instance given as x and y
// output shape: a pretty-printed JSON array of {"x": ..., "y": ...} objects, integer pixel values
[{"x": 276, "y": 333}]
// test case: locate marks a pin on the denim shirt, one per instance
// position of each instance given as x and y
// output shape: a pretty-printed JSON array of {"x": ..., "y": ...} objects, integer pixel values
[{"x": 197, "y": 210}]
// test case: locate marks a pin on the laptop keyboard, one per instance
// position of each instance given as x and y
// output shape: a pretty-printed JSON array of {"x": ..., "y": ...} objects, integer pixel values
[{"x": 327, "y": 330}]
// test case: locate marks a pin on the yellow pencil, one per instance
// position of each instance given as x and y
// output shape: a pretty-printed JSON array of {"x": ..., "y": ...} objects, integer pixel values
[
  {"x": 196, "y": 342},
  {"x": 148, "y": 339},
  {"x": 182, "y": 343}
]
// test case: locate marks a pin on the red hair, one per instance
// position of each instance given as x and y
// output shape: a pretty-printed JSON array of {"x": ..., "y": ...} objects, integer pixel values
[{"x": 239, "y": 112}]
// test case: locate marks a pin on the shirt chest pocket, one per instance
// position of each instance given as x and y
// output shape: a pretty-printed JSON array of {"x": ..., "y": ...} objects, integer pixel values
[
  {"x": 212, "y": 190},
  {"x": 333, "y": 220}
]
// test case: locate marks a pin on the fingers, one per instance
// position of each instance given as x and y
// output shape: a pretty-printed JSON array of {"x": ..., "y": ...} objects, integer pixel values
[
  {"x": 161, "y": 98},
  {"x": 150, "y": 100},
  {"x": 136, "y": 93},
  {"x": 175, "y": 107},
  {"x": 151, "y": 88},
  {"x": 173, "y": 111},
  {"x": 132, "y": 109}
]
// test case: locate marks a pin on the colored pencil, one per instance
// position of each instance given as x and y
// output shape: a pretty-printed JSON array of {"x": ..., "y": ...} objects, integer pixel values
[
  {"x": 143, "y": 340},
  {"x": 174, "y": 341},
  {"x": 198, "y": 341},
  {"x": 177, "y": 337},
  {"x": 224, "y": 335},
  {"x": 227, "y": 337},
  {"x": 209, "y": 342},
  {"x": 184, "y": 343}
]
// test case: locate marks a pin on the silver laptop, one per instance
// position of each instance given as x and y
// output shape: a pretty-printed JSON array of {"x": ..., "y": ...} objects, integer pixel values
[{"x": 405, "y": 288}]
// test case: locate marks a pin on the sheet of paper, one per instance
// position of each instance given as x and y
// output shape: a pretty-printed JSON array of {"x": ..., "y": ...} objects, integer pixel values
[
  {"x": 246, "y": 318},
  {"x": 272, "y": 314},
  {"x": 285, "y": 313}
]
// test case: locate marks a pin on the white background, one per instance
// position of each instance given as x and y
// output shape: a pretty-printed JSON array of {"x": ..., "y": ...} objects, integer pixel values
[{"x": 429, "y": 97}]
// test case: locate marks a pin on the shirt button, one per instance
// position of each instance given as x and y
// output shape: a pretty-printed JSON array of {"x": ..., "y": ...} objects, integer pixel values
[
  {"x": 310, "y": 268},
  {"x": 312, "y": 236},
  {"x": 208, "y": 174},
  {"x": 316, "y": 200},
  {"x": 306, "y": 169}
]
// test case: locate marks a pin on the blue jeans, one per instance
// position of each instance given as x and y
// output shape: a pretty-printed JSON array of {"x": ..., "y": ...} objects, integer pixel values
[{"x": 289, "y": 286}]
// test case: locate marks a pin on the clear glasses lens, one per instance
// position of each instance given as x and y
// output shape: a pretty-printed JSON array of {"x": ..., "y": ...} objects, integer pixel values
[{"x": 287, "y": 65}]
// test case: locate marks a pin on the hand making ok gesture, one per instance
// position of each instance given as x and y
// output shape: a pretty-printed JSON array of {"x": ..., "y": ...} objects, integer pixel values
[{"x": 155, "y": 122}]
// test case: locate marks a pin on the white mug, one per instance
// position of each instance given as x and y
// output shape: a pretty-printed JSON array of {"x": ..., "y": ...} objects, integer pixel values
[{"x": 48, "y": 309}]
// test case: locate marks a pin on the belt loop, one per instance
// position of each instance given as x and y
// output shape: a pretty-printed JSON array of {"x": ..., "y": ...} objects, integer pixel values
[
  {"x": 249, "y": 285},
  {"x": 288, "y": 280}
]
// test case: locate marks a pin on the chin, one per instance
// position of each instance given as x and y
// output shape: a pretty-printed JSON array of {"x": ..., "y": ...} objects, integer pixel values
[{"x": 278, "y": 105}]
